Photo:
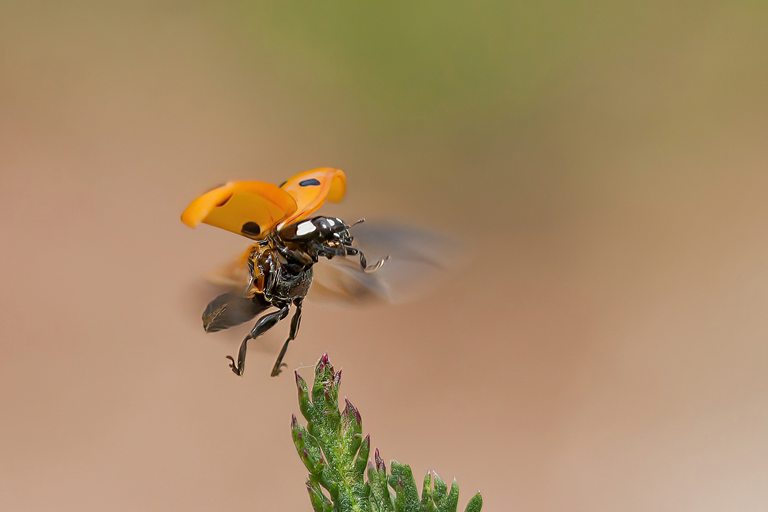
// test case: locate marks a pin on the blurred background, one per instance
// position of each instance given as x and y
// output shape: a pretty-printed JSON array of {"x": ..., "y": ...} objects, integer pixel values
[{"x": 602, "y": 164}]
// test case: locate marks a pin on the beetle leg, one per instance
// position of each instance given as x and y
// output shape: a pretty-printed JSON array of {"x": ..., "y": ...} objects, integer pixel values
[
  {"x": 270, "y": 278},
  {"x": 295, "y": 323},
  {"x": 294, "y": 256},
  {"x": 330, "y": 252},
  {"x": 264, "y": 323},
  {"x": 364, "y": 263}
]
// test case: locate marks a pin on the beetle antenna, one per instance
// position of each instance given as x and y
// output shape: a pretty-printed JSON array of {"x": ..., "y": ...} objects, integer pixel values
[{"x": 359, "y": 221}]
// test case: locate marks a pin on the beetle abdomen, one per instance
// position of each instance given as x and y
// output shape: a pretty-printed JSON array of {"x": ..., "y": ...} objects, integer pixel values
[{"x": 292, "y": 286}]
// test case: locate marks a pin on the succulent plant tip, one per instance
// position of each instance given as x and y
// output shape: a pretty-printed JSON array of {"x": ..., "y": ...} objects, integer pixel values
[
  {"x": 294, "y": 421},
  {"x": 349, "y": 408},
  {"x": 379, "y": 461},
  {"x": 337, "y": 378},
  {"x": 324, "y": 359}
]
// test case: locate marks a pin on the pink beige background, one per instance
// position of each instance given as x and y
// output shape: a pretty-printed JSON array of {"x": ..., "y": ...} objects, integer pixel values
[{"x": 604, "y": 348}]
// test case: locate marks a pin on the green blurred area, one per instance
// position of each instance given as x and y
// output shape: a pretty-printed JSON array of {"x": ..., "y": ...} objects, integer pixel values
[
  {"x": 421, "y": 62},
  {"x": 447, "y": 65}
]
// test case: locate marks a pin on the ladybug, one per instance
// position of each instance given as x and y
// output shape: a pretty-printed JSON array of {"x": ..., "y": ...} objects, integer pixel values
[{"x": 287, "y": 242}]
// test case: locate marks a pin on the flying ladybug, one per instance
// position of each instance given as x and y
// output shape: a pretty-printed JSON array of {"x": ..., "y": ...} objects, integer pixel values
[{"x": 277, "y": 268}]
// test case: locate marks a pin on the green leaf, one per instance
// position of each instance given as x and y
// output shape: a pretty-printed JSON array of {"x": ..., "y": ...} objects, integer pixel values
[
  {"x": 308, "y": 449},
  {"x": 351, "y": 428},
  {"x": 475, "y": 504},
  {"x": 325, "y": 391},
  {"x": 427, "y": 496},
  {"x": 305, "y": 406},
  {"x": 361, "y": 461},
  {"x": 377, "y": 478},
  {"x": 320, "y": 503},
  {"x": 441, "y": 490},
  {"x": 450, "y": 502},
  {"x": 401, "y": 480}
]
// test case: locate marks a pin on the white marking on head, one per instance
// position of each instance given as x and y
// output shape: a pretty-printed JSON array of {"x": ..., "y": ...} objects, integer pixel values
[
  {"x": 331, "y": 222},
  {"x": 305, "y": 227}
]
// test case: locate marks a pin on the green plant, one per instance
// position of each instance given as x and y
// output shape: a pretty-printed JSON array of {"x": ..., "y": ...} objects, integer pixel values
[{"x": 336, "y": 455}]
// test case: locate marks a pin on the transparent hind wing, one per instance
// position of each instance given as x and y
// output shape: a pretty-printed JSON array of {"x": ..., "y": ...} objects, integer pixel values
[
  {"x": 230, "y": 309},
  {"x": 233, "y": 275},
  {"x": 342, "y": 281},
  {"x": 418, "y": 260},
  {"x": 406, "y": 244}
]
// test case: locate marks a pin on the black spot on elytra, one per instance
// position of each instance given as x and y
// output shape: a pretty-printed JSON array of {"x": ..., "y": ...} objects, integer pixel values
[
  {"x": 283, "y": 184},
  {"x": 250, "y": 228},
  {"x": 311, "y": 182}
]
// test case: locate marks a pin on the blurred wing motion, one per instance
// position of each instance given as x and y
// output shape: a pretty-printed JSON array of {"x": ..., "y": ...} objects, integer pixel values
[
  {"x": 248, "y": 208},
  {"x": 234, "y": 275},
  {"x": 230, "y": 309},
  {"x": 418, "y": 260},
  {"x": 310, "y": 189},
  {"x": 341, "y": 281},
  {"x": 406, "y": 244}
]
